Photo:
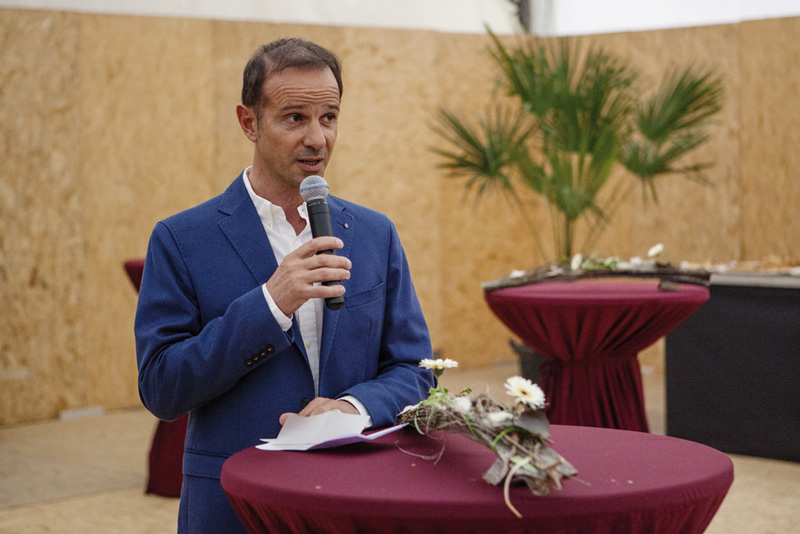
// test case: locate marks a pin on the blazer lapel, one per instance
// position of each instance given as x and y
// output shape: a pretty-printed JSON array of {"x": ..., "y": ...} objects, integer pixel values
[
  {"x": 246, "y": 234},
  {"x": 244, "y": 231},
  {"x": 342, "y": 223}
]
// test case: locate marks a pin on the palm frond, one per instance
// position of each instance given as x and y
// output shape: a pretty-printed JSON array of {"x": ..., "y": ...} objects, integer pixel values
[
  {"x": 532, "y": 174},
  {"x": 579, "y": 116},
  {"x": 570, "y": 198},
  {"x": 483, "y": 153},
  {"x": 685, "y": 100},
  {"x": 648, "y": 161},
  {"x": 526, "y": 74}
]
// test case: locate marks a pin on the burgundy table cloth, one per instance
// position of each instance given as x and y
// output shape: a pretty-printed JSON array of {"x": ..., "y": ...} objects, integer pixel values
[
  {"x": 591, "y": 332},
  {"x": 165, "y": 463},
  {"x": 630, "y": 483},
  {"x": 135, "y": 268}
]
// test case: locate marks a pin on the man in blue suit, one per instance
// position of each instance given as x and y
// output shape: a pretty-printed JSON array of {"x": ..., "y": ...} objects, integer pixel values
[{"x": 231, "y": 325}]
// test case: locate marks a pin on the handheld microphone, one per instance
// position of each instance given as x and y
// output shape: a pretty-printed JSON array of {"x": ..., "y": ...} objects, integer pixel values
[{"x": 314, "y": 190}]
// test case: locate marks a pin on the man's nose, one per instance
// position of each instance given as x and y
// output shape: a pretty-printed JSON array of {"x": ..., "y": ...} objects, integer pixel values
[{"x": 315, "y": 136}]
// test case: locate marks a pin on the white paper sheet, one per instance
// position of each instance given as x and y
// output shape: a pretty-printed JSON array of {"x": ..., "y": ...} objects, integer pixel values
[{"x": 329, "y": 429}]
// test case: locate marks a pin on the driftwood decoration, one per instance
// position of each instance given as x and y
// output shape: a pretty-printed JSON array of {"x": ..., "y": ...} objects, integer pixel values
[
  {"x": 519, "y": 436},
  {"x": 668, "y": 275}
]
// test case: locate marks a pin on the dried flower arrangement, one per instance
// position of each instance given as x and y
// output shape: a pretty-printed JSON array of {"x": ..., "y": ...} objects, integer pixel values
[
  {"x": 519, "y": 435},
  {"x": 596, "y": 266}
]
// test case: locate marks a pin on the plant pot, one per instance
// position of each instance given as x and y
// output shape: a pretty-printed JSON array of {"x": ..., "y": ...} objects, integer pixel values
[{"x": 530, "y": 361}]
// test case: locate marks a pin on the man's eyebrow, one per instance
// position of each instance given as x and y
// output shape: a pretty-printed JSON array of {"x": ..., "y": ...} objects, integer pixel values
[{"x": 301, "y": 107}]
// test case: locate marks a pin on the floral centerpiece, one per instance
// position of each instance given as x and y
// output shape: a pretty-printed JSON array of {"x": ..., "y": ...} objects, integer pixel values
[
  {"x": 596, "y": 266},
  {"x": 518, "y": 434}
]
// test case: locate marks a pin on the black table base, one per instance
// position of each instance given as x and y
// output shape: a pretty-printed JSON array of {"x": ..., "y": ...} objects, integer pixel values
[{"x": 733, "y": 372}]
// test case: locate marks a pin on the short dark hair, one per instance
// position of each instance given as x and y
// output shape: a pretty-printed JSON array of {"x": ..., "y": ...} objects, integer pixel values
[{"x": 276, "y": 56}]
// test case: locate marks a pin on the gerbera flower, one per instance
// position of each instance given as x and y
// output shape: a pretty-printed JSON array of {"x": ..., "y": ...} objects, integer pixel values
[
  {"x": 655, "y": 250},
  {"x": 438, "y": 364},
  {"x": 525, "y": 392}
]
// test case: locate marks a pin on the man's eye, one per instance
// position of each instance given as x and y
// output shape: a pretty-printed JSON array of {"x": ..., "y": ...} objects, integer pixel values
[{"x": 294, "y": 118}]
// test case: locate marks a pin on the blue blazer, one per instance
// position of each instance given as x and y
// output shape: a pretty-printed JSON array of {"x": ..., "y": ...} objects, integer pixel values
[{"x": 208, "y": 344}]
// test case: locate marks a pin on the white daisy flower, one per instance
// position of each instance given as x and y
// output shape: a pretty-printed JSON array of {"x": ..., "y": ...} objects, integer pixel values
[
  {"x": 525, "y": 392},
  {"x": 438, "y": 364},
  {"x": 655, "y": 250},
  {"x": 577, "y": 261}
]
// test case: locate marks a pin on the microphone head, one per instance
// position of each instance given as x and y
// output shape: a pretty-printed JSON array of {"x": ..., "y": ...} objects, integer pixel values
[{"x": 314, "y": 188}]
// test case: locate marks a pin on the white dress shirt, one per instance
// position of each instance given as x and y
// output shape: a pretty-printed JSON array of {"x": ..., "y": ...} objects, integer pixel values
[{"x": 284, "y": 240}]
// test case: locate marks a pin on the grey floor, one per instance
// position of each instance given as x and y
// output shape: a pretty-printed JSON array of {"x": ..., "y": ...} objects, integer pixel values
[{"x": 86, "y": 476}]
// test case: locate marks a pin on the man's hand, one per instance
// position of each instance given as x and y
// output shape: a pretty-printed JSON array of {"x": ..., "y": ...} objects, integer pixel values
[
  {"x": 322, "y": 405},
  {"x": 293, "y": 282}
]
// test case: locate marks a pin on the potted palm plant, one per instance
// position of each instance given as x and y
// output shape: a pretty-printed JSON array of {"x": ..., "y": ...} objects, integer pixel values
[{"x": 575, "y": 117}]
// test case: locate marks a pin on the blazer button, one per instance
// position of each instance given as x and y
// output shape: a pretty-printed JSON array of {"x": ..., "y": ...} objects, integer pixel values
[{"x": 304, "y": 402}]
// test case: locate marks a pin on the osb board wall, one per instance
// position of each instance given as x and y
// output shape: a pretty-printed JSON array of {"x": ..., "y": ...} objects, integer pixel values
[
  {"x": 769, "y": 138},
  {"x": 42, "y": 260},
  {"x": 110, "y": 123}
]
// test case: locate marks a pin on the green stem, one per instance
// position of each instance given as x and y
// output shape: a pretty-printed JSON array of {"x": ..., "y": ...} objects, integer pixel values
[
  {"x": 505, "y": 431},
  {"x": 620, "y": 193},
  {"x": 529, "y": 223},
  {"x": 469, "y": 426},
  {"x": 569, "y": 227}
]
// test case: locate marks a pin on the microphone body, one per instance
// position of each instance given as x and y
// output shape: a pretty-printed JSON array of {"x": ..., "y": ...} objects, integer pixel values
[{"x": 314, "y": 190}]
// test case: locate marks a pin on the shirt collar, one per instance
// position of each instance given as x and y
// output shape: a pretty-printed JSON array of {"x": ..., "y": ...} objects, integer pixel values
[{"x": 267, "y": 211}]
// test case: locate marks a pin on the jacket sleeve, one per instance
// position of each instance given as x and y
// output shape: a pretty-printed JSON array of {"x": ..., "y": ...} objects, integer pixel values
[{"x": 183, "y": 361}]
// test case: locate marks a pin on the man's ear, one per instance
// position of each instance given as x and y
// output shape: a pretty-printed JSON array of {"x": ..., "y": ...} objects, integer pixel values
[{"x": 248, "y": 122}]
